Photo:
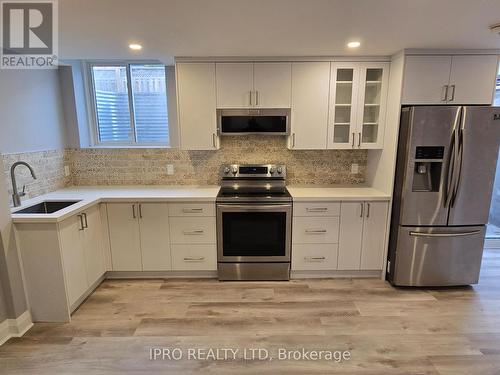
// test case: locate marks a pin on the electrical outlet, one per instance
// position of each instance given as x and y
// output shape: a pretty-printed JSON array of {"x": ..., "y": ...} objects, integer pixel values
[
  {"x": 354, "y": 168},
  {"x": 170, "y": 169},
  {"x": 66, "y": 170}
]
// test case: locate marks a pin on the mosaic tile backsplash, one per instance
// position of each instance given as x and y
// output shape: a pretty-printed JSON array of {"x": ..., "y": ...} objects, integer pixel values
[
  {"x": 148, "y": 166},
  {"x": 48, "y": 167}
]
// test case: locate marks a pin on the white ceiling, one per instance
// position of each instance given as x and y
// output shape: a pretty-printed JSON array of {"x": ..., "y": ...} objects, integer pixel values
[{"x": 166, "y": 28}]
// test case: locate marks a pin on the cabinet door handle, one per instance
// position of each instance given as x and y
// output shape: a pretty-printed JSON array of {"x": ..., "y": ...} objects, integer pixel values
[
  {"x": 192, "y": 210},
  {"x": 293, "y": 140},
  {"x": 353, "y": 139},
  {"x": 133, "y": 212},
  {"x": 314, "y": 258},
  {"x": 250, "y": 93},
  {"x": 194, "y": 259},
  {"x": 193, "y": 232},
  {"x": 213, "y": 140},
  {"x": 313, "y": 231},
  {"x": 445, "y": 93},
  {"x": 86, "y": 222},
  {"x": 316, "y": 209},
  {"x": 140, "y": 211},
  {"x": 368, "y": 210},
  {"x": 362, "y": 210},
  {"x": 452, "y": 93},
  {"x": 359, "y": 139},
  {"x": 256, "y": 98},
  {"x": 81, "y": 222}
]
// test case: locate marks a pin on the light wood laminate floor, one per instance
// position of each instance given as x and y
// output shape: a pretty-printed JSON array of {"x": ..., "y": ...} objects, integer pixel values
[{"x": 387, "y": 330}]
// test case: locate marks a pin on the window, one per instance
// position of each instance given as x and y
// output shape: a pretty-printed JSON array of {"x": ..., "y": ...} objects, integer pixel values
[{"x": 130, "y": 102}]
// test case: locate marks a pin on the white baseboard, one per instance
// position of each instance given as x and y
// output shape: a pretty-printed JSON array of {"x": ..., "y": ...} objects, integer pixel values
[
  {"x": 334, "y": 274},
  {"x": 15, "y": 327}
]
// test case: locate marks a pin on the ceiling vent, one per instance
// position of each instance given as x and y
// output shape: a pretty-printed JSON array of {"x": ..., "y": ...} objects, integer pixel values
[{"x": 495, "y": 28}]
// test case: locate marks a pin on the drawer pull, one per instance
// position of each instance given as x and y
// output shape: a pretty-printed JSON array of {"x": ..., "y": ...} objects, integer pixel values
[
  {"x": 316, "y": 209},
  {"x": 193, "y": 232},
  {"x": 314, "y": 258},
  {"x": 191, "y": 210},
  {"x": 192, "y": 259},
  {"x": 319, "y": 231}
]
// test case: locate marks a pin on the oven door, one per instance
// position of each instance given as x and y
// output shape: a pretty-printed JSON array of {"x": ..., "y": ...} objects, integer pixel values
[{"x": 254, "y": 232}]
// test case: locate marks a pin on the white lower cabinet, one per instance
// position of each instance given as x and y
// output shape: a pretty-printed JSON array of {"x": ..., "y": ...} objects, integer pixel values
[
  {"x": 310, "y": 257},
  {"x": 343, "y": 236},
  {"x": 199, "y": 257},
  {"x": 162, "y": 236},
  {"x": 124, "y": 236},
  {"x": 362, "y": 235}
]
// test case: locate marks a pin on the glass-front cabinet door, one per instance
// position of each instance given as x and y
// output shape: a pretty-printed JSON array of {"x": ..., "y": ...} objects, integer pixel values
[
  {"x": 372, "y": 105},
  {"x": 358, "y": 94},
  {"x": 343, "y": 97}
]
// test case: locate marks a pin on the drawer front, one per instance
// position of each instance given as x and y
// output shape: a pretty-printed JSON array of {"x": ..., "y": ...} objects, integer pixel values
[
  {"x": 316, "y": 209},
  {"x": 192, "y": 230},
  {"x": 194, "y": 257},
  {"x": 310, "y": 257},
  {"x": 315, "y": 230},
  {"x": 191, "y": 209}
]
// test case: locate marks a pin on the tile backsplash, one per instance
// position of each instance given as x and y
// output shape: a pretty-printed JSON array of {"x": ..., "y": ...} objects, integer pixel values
[
  {"x": 48, "y": 167},
  {"x": 148, "y": 166}
]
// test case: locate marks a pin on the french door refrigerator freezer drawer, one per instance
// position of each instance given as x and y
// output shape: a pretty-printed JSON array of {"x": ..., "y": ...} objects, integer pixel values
[{"x": 438, "y": 256}]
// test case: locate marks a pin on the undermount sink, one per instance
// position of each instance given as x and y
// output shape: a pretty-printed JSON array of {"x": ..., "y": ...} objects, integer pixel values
[{"x": 46, "y": 207}]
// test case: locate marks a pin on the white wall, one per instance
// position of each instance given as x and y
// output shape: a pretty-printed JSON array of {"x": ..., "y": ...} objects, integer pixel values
[{"x": 31, "y": 111}]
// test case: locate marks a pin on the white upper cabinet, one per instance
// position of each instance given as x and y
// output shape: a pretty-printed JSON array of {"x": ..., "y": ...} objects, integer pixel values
[
  {"x": 472, "y": 79},
  {"x": 273, "y": 84},
  {"x": 358, "y": 94},
  {"x": 234, "y": 85},
  {"x": 196, "y": 106},
  {"x": 309, "y": 116},
  {"x": 460, "y": 79},
  {"x": 253, "y": 85},
  {"x": 426, "y": 79}
]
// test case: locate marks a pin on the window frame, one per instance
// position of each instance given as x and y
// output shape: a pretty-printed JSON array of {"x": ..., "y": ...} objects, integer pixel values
[{"x": 92, "y": 104}]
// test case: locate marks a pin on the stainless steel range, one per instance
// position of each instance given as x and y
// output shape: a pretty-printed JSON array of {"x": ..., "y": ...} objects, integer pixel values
[{"x": 254, "y": 222}]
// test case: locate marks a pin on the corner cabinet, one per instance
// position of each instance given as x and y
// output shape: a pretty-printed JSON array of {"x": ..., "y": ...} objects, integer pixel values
[
  {"x": 196, "y": 106},
  {"x": 446, "y": 79},
  {"x": 357, "y": 108},
  {"x": 254, "y": 85},
  {"x": 63, "y": 263}
]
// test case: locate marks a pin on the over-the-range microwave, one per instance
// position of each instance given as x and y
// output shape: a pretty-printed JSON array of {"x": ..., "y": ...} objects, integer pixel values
[{"x": 253, "y": 121}]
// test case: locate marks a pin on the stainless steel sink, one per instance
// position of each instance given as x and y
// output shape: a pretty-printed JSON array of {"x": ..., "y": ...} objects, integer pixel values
[{"x": 46, "y": 207}]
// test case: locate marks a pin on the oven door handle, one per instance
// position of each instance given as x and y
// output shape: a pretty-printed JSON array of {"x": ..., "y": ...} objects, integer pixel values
[{"x": 253, "y": 207}]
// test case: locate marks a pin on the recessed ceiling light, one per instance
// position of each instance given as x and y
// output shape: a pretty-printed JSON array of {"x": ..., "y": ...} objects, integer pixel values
[
  {"x": 354, "y": 44},
  {"x": 135, "y": 46}
]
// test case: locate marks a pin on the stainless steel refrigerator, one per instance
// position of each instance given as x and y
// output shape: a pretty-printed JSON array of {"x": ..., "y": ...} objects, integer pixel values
[{"x": 444, "y": 179}]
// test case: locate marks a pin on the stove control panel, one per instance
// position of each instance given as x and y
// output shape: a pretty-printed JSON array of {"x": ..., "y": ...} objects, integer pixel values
[{"x": 255, "y": 171}]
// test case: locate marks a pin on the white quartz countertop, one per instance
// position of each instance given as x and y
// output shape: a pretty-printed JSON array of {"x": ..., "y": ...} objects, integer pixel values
[
  {"x": 341, "y": 193},
  {"x": 90, "y": 195}
]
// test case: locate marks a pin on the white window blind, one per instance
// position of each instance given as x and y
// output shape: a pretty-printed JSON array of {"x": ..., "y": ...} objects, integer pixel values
[{"x": 130, "y": 104}]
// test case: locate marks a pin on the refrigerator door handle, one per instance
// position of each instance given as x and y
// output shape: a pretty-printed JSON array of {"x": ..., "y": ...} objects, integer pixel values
[
  {"x": 459, "y": 154},
  {"x": 445, "y": 234},
  {"x": 452, "y": 159}
]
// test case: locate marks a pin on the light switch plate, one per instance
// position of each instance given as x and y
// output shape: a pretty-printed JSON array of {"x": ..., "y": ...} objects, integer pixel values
[
  {"x": 66, "y": 170},
  {"x": 170, "y": 169},
  {"x": 354, "y": 168}
]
